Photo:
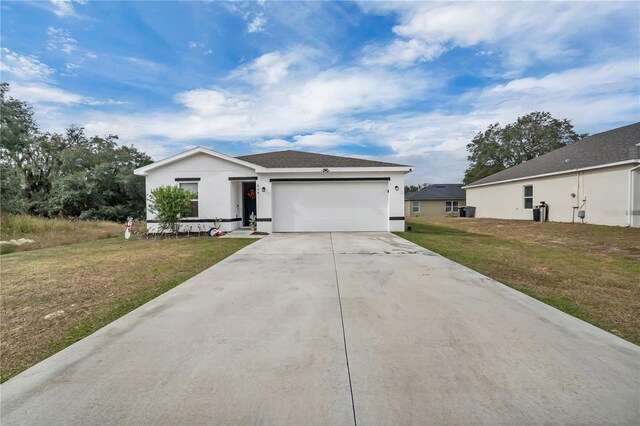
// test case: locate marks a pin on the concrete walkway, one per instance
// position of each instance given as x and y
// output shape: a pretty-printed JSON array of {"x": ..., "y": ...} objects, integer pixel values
[{"x": 334, "y": 329}]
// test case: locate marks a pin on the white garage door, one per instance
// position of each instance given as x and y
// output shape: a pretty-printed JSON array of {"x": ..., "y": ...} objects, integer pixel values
[{"x": 330, "y": 206}]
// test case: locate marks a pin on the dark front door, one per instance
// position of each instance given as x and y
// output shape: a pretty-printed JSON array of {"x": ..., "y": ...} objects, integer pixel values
[{"x": 248, "y": 201}]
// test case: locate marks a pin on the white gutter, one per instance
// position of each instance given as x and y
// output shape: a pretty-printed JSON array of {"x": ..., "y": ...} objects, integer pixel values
[
  {"x": 602, "y": 166},
  {"x": 631, "y": 206},
  {"x": 405, "y": 169}
]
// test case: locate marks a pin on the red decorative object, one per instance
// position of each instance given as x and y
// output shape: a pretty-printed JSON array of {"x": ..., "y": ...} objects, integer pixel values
[{"x": 251, "y": 194}]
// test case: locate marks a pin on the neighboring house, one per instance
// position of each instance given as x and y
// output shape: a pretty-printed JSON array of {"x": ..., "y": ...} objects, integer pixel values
[
  {"x": 435, "y": 200},
  {"x": 288, "y": 191},
  {"x": 598, "y": 175}
]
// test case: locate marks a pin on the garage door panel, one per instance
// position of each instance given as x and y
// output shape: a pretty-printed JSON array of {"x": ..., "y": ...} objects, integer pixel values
[{"x": 330, "y": 206}]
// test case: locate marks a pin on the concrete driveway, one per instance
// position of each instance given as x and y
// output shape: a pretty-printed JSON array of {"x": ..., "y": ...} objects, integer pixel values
[{"x": 333, "y": 329}]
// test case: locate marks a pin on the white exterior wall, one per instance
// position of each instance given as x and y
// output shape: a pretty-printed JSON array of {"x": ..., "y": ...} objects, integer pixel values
[
  {"x": 604, "y": 193},
  {"x": 216, "y": 197},
  {"x": 635, "y": 201},
  {"x": 607, "y": 196},
  {"x": 395, "y": 199}
]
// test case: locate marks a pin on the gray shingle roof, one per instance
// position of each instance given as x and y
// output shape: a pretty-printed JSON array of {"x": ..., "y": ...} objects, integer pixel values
[
  {"x": 300, "y": 159},
  {"x": 444, "y": 191},
  {"x": 608, "y": 147}
]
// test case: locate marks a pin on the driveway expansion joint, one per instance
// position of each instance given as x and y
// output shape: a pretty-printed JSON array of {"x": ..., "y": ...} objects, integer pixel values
[{"x": 344, "y": 335}]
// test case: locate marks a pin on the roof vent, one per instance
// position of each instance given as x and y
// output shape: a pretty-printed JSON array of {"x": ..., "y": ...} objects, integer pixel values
[{"x": 567, "y": 161}]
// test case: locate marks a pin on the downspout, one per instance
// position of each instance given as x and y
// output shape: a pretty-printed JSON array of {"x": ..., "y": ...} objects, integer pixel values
[
  {"x": 631, "y": 206},
  {"x": 577, "y": 206}
]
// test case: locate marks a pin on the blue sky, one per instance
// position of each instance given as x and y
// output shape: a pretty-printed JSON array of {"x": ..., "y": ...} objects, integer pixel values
[{"x": 405, "y": 82}]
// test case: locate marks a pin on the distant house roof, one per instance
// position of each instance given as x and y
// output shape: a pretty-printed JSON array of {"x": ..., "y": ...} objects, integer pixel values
[
  {"x": 613, "y": 146},
  {"x": 444, "y": 191},
  {"x": 299, "y": 159}
]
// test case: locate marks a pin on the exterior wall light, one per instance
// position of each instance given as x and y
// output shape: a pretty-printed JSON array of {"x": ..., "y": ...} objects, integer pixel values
[
  {"x": 263, "y": 189},
  {"x": 325, "y": 170},
  {"x": 397, "y": 188}
]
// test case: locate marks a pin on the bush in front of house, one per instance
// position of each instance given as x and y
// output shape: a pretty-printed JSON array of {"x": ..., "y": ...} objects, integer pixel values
[{"x": 170, "y": 204}]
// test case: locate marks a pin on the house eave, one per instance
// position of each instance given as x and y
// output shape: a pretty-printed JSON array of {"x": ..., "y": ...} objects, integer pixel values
[{"x": 564, "y": 172}]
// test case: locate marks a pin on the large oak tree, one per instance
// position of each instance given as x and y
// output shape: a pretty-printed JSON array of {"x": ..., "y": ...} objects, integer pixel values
[{"x": 532, "y": 135}]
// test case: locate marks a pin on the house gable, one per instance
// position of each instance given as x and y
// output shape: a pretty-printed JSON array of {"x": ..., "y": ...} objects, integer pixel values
[{"x": 199, "y": 153}]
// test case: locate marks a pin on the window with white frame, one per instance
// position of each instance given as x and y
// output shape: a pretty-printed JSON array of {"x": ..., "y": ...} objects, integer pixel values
[
  {"x": 192, "y": 187},
  {"x": 528, "y": 197},
  {"x": 451, "y": 206},
  {"x": 415, "y": 207}
]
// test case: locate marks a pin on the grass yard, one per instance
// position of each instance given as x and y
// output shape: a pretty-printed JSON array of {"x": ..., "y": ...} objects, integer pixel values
[
  {"x": 589, "y": 271},
  {"x": 55, "y": 296},
  {"x": 52, "y": 232}
]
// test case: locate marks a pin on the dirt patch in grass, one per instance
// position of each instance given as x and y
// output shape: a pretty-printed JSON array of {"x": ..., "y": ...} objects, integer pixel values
[
  {"x": 591, "y": 272},
  {"x": 53, "y": 297},
  {"x": 53, "y": 232}
]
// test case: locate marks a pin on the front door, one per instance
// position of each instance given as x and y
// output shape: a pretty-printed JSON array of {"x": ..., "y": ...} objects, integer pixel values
[{"x": 248, "y": 201}]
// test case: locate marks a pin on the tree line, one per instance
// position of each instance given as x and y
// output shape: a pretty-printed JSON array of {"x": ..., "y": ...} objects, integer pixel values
[{"x": 70, "y": 174}]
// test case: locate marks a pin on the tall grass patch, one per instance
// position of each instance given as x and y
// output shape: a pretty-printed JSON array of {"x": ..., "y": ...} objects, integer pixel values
[{"x": 53, "y": 232}]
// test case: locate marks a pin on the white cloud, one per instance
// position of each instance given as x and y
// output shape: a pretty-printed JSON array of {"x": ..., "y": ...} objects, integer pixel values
[
  {"x": 210, "y": 101},
  {"x": 267, "y": 69},
  {"x": 354, "y": 90},
  {"x": 520, "y": 32},
  {"x": 70, "y": 69},
  {"x": 44, "y": 93},
  {"x": 587, "y": 95},
  {"x": 24, "y": 67},
  {"x": 320, "y": 140},
  {"x": 599, "y": 78},
  {"x": 60, "y": 39},
  {"x": 63, "y": 7},
  {"x": 403, "y": 53},
  {"x": 257, "y": 24},
  {"x": 91, "y": 55},
  {"x": 273, "y": 143},
  {"x": 141, "y": 62}
]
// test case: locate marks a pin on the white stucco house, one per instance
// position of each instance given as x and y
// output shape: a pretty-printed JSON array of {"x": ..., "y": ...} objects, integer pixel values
[
  {"x": 289, "y": 191},
  {"x": 598, "y": 177}
]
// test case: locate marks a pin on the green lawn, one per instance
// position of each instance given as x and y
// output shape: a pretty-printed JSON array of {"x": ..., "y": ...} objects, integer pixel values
[
  {"x": 599, "y": 283},
  {"x": 55, "y": 296}
]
